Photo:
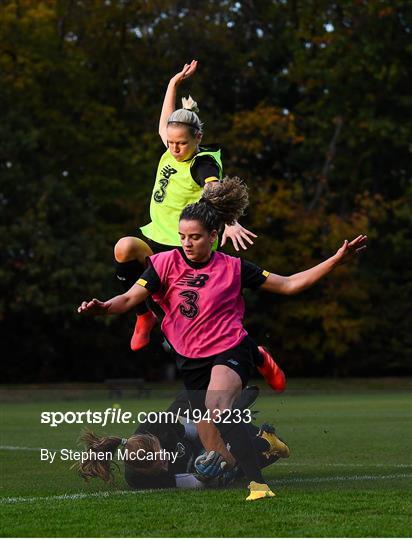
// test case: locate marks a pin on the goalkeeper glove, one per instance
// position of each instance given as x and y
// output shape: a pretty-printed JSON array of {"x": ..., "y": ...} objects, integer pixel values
[{"x": 209, "y": 466}]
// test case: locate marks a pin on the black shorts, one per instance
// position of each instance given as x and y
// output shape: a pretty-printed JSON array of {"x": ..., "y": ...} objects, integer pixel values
[
  {"x": 196, "y": 371},
  {"x": 156, "y": 247}
]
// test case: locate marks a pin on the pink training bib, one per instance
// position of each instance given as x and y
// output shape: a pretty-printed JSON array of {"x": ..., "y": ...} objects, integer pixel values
[{"x": 203, "y": 307}]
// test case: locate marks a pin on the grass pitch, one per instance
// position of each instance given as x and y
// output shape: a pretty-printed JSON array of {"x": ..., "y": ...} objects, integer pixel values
[{"x": 349, "y": 473}]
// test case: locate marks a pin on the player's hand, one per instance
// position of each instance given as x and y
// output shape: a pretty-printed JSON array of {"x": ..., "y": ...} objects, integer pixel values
[
  {"x": 94, "y": 307},
  {"x": 350, "y": 249},
  {"x": 209, "y": 466},
  {"x": 228, "y": 477},
  {"x": 239, "y": 236},
  {"x": 187, "y": 71}
]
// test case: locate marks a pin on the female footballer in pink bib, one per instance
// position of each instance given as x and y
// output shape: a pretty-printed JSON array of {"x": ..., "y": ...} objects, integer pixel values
[{"x": 200, "y": 292}]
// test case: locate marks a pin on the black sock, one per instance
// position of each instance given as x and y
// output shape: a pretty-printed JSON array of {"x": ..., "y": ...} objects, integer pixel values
[
  {"x": 261, "y": 445},
  {"x": 257, "y": 357},
  {"x": 128, "y": 273},
  {"x": 241, "y": 446}
]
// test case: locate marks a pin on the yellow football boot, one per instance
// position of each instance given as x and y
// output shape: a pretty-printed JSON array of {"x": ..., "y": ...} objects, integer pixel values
[
  {"x": 259, "y": 491},
  {"x": 277, "y": 446}
]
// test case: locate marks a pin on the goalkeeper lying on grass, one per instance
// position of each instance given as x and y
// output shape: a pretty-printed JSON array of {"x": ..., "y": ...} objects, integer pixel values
[{"x": 170, "y": 455}]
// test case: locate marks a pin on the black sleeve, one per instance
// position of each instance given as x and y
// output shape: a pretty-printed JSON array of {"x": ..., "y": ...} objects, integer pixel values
[
  {"x": 150, "y": 280},
  {"x": 204, "y": 167},
  {"x": 172, "y": 438},
  {"x": 252, "y": 276},
  {"x": 140, "y": 481},
  {"x": 168, "y": 433}
]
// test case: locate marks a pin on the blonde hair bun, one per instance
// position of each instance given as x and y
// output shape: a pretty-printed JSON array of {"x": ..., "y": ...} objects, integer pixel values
[{"x": 190, "y": 104}]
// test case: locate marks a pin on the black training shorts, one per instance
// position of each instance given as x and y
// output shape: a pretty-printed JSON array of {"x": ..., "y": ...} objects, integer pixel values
[{"x": 196, "y": 371}]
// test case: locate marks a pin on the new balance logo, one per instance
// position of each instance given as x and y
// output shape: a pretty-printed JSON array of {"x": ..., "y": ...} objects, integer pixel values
[
  {"x": 234, "y": 362},
  {"x": 191, "y": 280},
  {"x": 167, "y": 171}
]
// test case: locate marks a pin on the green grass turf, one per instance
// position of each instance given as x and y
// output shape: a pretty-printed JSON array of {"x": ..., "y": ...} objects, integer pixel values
[{"x": 349, "y": 474}]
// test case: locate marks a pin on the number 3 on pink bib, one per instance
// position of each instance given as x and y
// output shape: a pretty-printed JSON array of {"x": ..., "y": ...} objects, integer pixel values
[{"x": 189, "y": 308}]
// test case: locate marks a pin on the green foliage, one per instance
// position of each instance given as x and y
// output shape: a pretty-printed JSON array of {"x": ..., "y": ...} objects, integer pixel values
[{"x": 311, "y": 102}]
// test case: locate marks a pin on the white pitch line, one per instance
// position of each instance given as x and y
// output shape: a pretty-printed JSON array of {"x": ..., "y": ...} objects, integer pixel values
[
  {"x": 20, "y": 448},
  {"x": 105, "y": 494},
  {"x": 356, "y": 478},
  {"x": 291, "y": 463},
  {"x": 71, "y": 496}
]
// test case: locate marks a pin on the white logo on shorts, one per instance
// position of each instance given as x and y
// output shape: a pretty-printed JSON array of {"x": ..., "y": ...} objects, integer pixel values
[{"x": 234, "y": 362}]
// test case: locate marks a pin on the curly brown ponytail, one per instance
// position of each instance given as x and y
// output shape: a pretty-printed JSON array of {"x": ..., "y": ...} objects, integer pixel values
[
  {"x": 93, "y": 467},
  {"x": 222, "y": 202}
]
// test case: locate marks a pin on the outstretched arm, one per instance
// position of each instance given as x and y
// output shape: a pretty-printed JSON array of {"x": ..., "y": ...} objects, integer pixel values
[
  {"x": 303, "y": 280},
  {"x": 169, "y": 101},
  {"x": 118, "y": 304}
]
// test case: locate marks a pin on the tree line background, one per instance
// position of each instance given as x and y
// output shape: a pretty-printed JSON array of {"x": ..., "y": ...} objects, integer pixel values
[{"x": 311, "y": 102}]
